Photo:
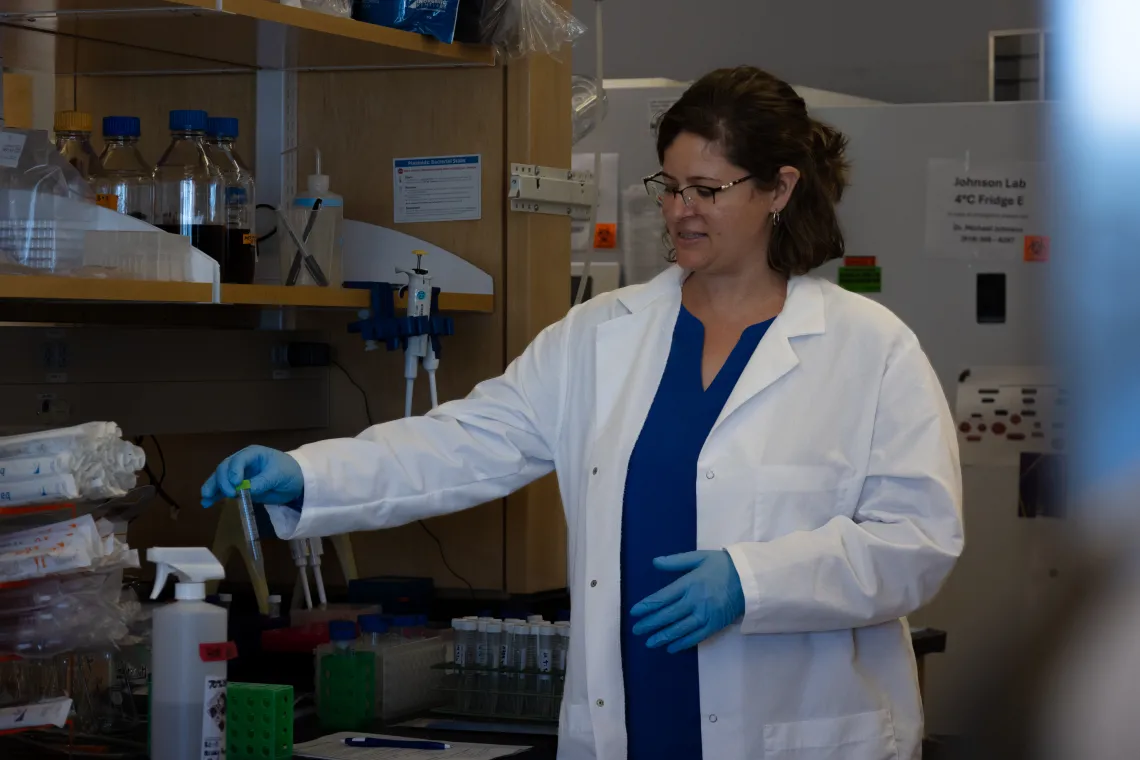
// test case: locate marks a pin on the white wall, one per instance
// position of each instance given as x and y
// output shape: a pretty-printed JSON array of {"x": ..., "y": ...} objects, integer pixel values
[{"x": 893, "y": 50}]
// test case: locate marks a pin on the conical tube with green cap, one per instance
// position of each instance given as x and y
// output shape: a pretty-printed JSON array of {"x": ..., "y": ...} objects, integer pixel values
[{"x": 249, "y": 527}]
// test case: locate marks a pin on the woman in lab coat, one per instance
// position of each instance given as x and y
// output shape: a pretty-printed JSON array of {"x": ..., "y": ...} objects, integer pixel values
[{"x": 759, "y": 470}]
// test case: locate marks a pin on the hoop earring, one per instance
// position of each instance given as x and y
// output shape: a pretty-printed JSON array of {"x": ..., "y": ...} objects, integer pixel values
[{"x": 775, "y": 218}]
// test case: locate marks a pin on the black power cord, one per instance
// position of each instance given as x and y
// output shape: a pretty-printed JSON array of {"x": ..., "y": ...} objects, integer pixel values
[
  {"x": 422, "y": 524},
  {"x": 158, "y": 481}
]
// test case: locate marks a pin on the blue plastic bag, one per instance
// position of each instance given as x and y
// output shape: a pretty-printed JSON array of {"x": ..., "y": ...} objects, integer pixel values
[{"x": 435, "y": 18}]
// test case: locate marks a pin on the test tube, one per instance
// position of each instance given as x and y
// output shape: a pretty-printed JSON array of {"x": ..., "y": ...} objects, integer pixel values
[
  {"x": 545, "y": 663},
  {"x": 249, "y": 528},
  {"x": 495, "y": 638},
  {"x": 465, "y": 634},
  {"x": 481, "y": 682},
  {"x": 561, "y": 649}
]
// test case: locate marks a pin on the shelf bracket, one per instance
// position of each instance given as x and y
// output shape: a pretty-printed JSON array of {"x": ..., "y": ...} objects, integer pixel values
[{"x": 547, "y": 190}]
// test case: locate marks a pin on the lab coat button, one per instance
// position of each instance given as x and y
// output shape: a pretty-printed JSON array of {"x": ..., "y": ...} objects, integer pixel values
[
  {"x": 710, "y": 474},
  {"x": 712, "y": 719},
  {"x": 601, "y": 703},
  {"x": 593, "y": 584},
  {"x": 595, "y": 470}
]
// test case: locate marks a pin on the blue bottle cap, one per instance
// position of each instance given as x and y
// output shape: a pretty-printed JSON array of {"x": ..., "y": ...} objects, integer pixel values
[
  {"x": 342, "y": 630},
  {"x": 404, "y": 621},
  {"x": 222, "y": 126},
  {"x": 188, "y": 121},
  {"x": 421, "y": 621},
  {"x": 121, "y": 126},
  {"x": 372, "y": 624}
]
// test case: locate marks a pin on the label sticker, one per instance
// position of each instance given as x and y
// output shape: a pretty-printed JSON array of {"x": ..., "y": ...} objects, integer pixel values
[
  {"x": 605, "y": 236},
  {"x": 861, "y": 279},
  {"x": 107, "y": 201},
  {"x": 1036, "y": 248},
  {"x": 249, "y": 239},
  {"x": 437, "y": 189},
  {"x": 214, "y": 720},
  {"x": 11, "y": 148},
  {"x": 985, "y": 211},
  {"x": 220, "y": 652}
]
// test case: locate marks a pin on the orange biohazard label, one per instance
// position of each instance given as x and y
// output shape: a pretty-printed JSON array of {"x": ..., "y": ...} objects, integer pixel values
[
  {"x": 1036, "y": 248},
  {"x": 248, "y": 239},
  {"x": 107, "y": 200},
  {"x": 605, "y": 236}
]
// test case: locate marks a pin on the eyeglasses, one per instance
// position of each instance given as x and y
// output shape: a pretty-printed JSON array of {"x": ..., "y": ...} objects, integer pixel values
[{"x": 658, "y": 190}]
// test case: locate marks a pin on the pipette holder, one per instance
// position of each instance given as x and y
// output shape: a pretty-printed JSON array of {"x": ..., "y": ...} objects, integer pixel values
[{"x": 380, "y": 324}]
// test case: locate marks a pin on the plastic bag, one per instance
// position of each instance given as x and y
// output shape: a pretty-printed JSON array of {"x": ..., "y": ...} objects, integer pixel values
[
  {"x": 519, "y": 28},
  {"x": 435, "y": 18},
  {"x": 45, "y": 207}
]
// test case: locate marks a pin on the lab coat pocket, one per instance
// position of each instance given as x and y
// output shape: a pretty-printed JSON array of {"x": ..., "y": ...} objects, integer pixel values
[
  {"x": 865, "y": 736},
  {"x": 790, "y": 498}
]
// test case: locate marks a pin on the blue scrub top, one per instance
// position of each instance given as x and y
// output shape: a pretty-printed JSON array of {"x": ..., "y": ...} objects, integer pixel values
[{"x": 662, "y": 690}]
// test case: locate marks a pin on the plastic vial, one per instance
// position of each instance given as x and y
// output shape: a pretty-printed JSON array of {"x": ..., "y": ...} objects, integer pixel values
[
  {"x": 466, "y": 632},
  {"x": 495, "y": 643},
  {"x": 508, "y": 665},
  {"x": 126, "y": 183},
  {"x": 374, "y": 632},
  {"x": 274, "y": 606},
  {"x": 546, "y": 643},
  {"x": 535, "y": 619},
  {"x": 73, "y": 140},
  {"x": 189, "y": 190},
  {"x": 241, "y": 239},
  {"x": 561, "y": 651},
  {"x": 249, "y": 532}
]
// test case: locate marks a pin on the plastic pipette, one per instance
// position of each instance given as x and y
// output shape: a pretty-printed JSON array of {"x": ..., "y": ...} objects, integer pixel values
[
  {"x": 315, "y": 552},
  {"x": 249, "y": 527},
  {"x": 298, "y": 546}
]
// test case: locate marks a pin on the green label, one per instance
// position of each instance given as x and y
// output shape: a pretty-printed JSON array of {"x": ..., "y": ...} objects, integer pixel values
[{"x": 861, "y": 279}]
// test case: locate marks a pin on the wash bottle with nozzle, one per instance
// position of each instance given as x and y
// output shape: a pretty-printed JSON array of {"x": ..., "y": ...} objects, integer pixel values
[{"x": 189, "y": 653}]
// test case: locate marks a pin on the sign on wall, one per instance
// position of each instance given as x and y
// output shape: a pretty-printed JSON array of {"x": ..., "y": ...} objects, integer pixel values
[{"x": 986, "y": 210}]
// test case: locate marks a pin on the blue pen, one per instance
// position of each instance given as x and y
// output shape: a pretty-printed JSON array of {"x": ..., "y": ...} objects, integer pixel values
[{"x": 368, "y": 741}]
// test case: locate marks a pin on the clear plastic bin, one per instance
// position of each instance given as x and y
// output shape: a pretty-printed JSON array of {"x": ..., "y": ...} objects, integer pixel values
[
  {"x": 409, "y": 678},
  {"x": 125, "y": 255}
]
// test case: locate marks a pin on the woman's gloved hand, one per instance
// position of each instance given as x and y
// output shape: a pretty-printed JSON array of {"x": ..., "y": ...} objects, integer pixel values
[
  {"x": 274, "y": 477},
  {"x": 695, "y": 606}
]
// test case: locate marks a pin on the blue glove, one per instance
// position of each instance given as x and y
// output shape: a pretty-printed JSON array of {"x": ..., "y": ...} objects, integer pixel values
[
  {"x": 274, "y": 477},
  {"x": 693, "y": 607}
]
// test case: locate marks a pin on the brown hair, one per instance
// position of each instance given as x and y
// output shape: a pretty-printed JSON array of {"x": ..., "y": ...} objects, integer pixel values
[{"x": 762, "y": 125}]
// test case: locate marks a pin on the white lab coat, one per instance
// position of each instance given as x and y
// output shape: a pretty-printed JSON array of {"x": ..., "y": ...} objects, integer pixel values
[{"x": 831, "y": 477}]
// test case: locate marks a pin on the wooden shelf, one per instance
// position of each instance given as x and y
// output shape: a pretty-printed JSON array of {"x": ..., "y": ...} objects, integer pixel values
[
  {"x": 120, "y": 36},
  {"x": 340, "y": 298},
  {"x": 48, "y": 288}
]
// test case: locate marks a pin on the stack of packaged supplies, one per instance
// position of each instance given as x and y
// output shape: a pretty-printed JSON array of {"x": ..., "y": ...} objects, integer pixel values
[
  {"x": 62, "y": 608},
  {"x": 86, "y": 462}
]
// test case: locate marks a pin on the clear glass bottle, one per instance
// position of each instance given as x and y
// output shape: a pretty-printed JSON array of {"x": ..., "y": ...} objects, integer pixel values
[
  {"x": 126, "y": 183},
  {"x": 189, "y": 190},
  {"x": 241, "y": 203},
  {"x": 73, "y": 141}
]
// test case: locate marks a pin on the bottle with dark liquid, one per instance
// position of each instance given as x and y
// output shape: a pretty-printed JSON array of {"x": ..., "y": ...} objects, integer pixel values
[
  {"x": 189, "y": 189},
  {"x": 241, "y": 239}
]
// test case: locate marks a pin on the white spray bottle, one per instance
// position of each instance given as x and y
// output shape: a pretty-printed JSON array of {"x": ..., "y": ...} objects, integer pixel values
[{"x": 188, "y": 660}]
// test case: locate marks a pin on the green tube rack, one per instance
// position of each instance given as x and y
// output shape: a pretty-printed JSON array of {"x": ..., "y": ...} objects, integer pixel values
[{"x": 259, "y": 721}]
